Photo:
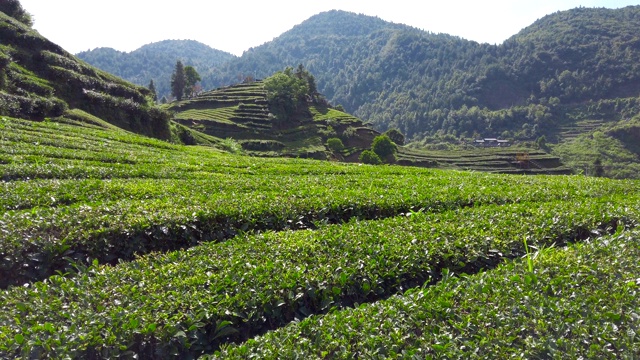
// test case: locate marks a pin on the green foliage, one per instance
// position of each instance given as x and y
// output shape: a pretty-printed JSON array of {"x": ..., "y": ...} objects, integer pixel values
[
  {"x": 598, "y": 170},
  {"x": 369, "y": 157},
  {"x": 570, "y": 301},
  {"x": 262, "y": 145},
  {"x": 255, "y": 280},
  {"x": 383, "y": 146},
  {"x": 113, "y": 186},
  {"x": 14, "y": 9},
  {"x": 152, "y": 89},
  {"x": 286, "y": 93},
  {"x": 302, "y": 238},
  {"x": 335, "y": 144},
  {"x": 232, "y": 146},
  {"x": 541, "y": 142}
]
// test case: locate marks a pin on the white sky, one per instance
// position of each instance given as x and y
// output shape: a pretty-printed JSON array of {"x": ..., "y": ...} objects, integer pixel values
[{"x": 235, "y": 26}]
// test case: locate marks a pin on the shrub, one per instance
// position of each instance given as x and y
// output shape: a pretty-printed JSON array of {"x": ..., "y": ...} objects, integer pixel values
[
  {"x": 335, "y": 144},
  {"x": 396, "y": 136},
  {"x": 262, "y": 145},
  {"x": 383, "y": 146},
  {"x": 370, "y": 157},
  {"x": 231, "y": 145}
]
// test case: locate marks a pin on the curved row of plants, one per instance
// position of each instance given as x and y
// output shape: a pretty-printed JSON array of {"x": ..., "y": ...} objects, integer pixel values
[
  {"x": 189, "y": 302},
  {"x": 107, "y": 195},
  {"x": 59, "y": 222},
  {"x": 571, "y": 303}
]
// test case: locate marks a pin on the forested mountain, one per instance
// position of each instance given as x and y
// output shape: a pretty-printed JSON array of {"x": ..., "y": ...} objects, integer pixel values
[
  {"x": 424, "y": 83},
  {"x": 156, "y": 62},
  {"x": 567, "y": 67}
]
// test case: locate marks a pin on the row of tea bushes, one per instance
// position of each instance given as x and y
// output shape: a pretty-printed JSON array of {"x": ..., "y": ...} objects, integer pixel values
[
  {"x": 581, "y": 302},
  {"x": 78, "y": 194},
  {"x": 189, "y": 302}
]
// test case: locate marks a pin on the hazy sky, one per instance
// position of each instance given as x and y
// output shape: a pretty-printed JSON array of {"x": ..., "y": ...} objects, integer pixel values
[{"x": 235, "y": 26}]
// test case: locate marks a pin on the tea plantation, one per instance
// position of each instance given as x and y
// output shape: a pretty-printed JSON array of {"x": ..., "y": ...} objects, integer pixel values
[{"x": 114, "y": 245}]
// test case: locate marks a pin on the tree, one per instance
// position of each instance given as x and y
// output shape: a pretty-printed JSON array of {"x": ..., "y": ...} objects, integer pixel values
[
  {"x": 304, "y": 74},
  {"x": 192, "y": 77},
  {"x": 396, "y": 136},
  {"x": 383, "y": 146},
  {"x": 369, "y": 157},
  {"x": 285, "y": 92},
  {"x": 598, "y": 168},
  {"x": 14, "y": 9},
  {"x": 541, "y": 142},
  {"x": 178, "y": 81},
  {"x": 152, "y": 88},
  {"x": 335, "y": 144}
]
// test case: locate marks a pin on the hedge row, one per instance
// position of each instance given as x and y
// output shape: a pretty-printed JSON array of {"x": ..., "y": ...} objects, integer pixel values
[
  {"x": 577, "y": 303},
  {"x": 189, "y": 302}
]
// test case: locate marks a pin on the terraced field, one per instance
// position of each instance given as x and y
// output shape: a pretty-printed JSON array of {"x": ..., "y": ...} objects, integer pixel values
[
  {"x": 241, "y": 112},
  {"x": 571, "y": 132},
  {"x": 498, "y": 160},
  {"x": 116, "y": 245}
]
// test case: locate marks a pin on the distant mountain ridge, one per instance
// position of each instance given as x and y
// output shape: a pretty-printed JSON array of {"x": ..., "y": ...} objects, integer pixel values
[{"x": 157, "y": 61}]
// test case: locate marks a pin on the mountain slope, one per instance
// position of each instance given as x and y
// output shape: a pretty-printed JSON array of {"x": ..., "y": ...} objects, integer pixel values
[
  {"x": 39, "y": 79},
  {"x": 157, "y": 61},
  {"x": 425, "y": 84}
]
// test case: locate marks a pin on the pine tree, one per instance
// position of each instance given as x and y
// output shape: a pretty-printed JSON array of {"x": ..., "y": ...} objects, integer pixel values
[
  {"x": 152, "y": 88},
  {"x": 178, "y": 81}
]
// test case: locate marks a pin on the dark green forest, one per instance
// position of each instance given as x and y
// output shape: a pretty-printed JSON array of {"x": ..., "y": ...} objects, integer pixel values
[{"x": 156, "y": 62}]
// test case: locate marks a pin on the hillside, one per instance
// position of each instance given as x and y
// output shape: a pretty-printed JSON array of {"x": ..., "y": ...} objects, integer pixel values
[
  {"x": 39, "y": 80},
  {"x": 242, "y": 112},
  {"x": 157, "y": 61},
  {"x": 610, "y": 150}
]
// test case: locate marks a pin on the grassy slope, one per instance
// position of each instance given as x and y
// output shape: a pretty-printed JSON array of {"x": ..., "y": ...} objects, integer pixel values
[{"x": 115, "y": 185}]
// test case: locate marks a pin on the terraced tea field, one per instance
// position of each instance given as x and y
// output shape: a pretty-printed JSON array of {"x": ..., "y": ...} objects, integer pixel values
[
  {"x": 510, "y": 160},
  {"x": 116, "y": 245}
]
